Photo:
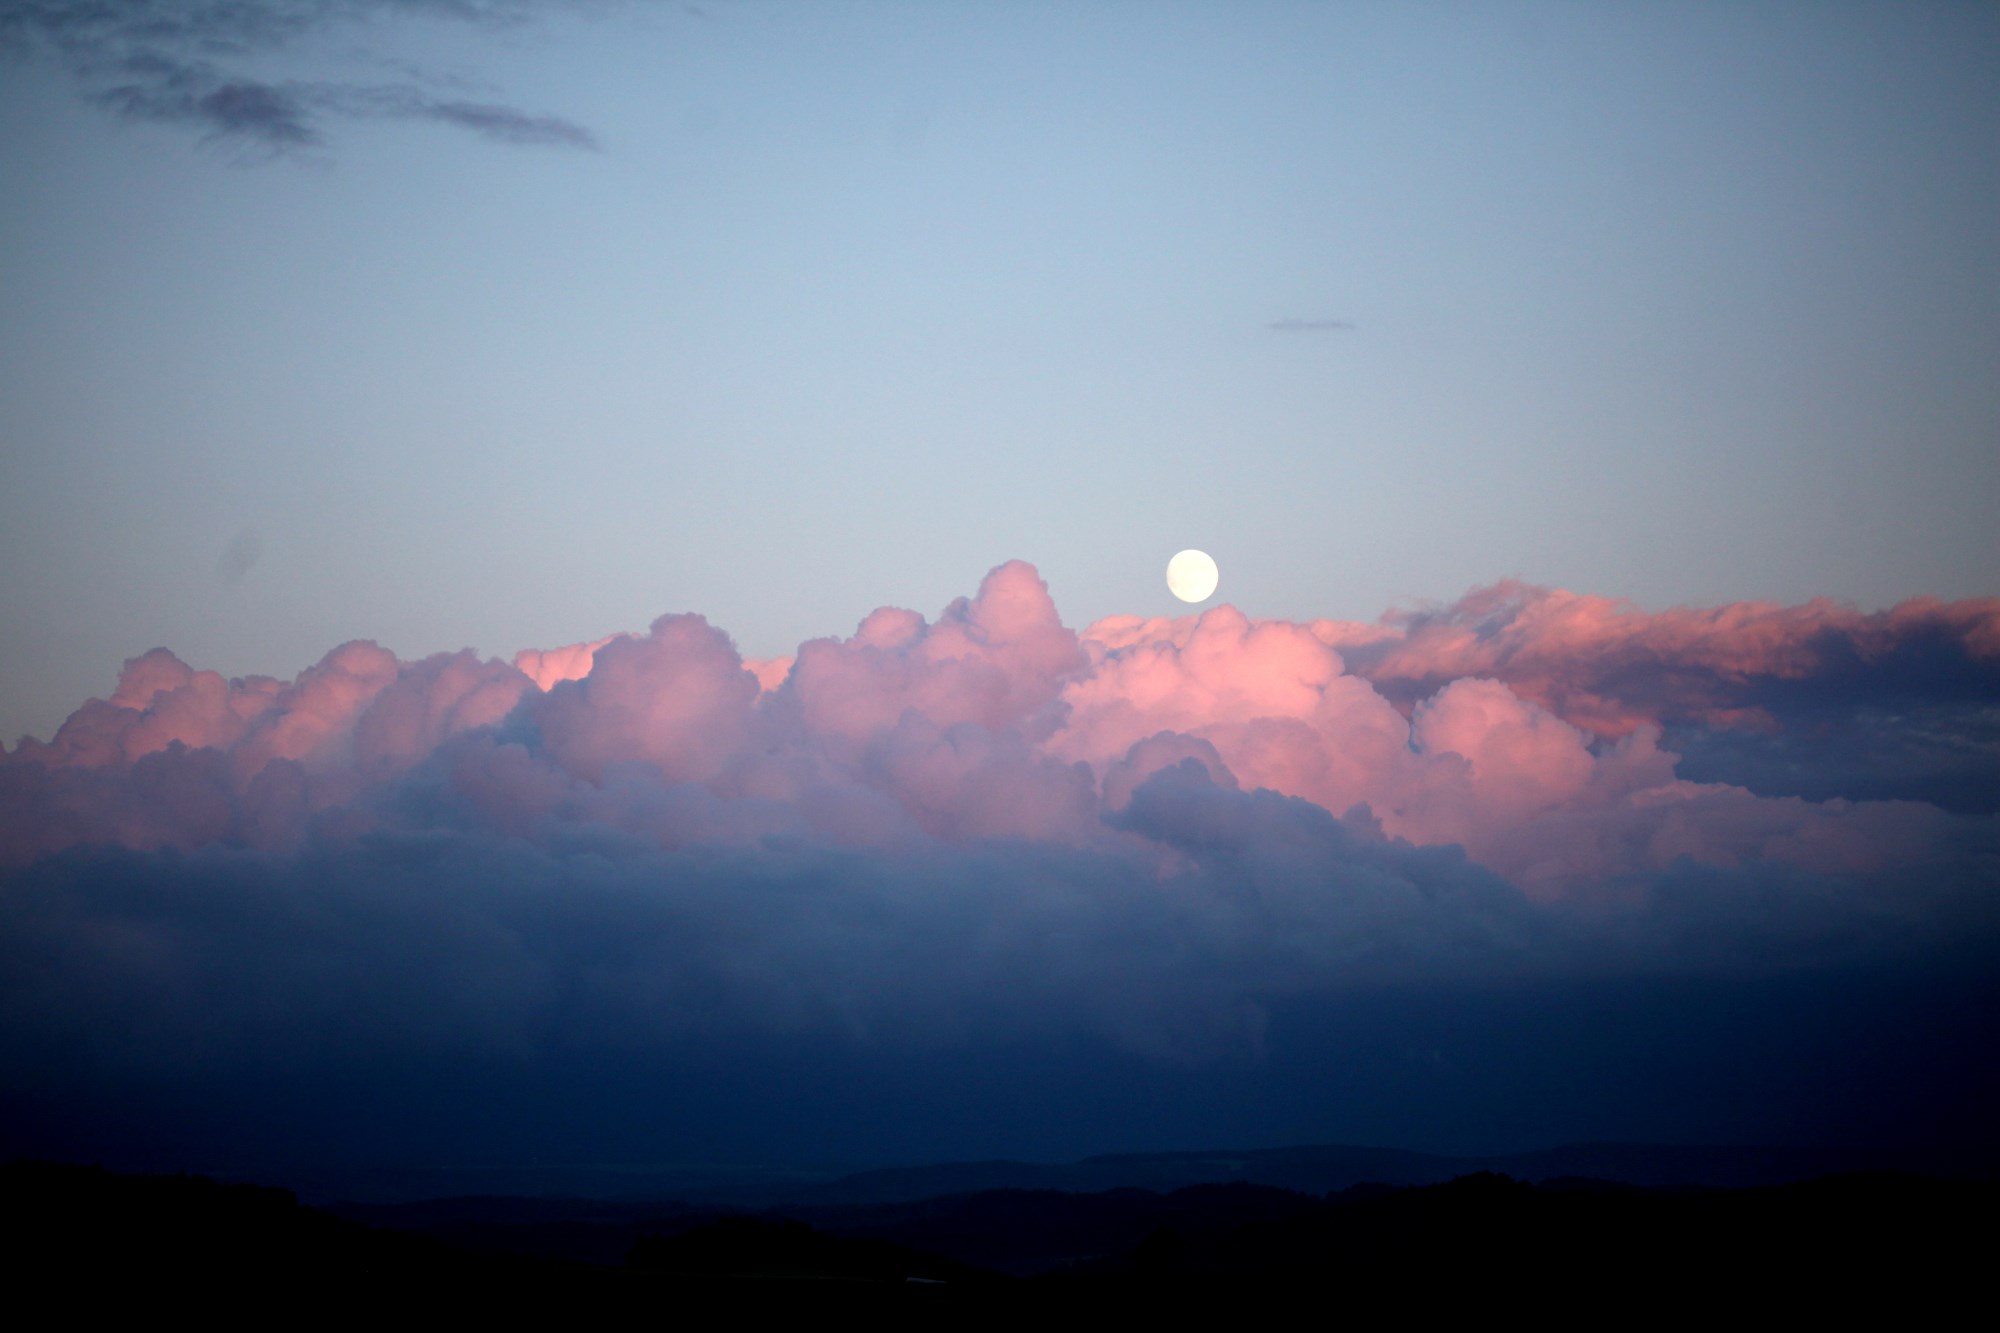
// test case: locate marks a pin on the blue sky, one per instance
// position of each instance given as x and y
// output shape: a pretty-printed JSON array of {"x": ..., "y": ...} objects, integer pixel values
[{"x": 849, "y": 303}]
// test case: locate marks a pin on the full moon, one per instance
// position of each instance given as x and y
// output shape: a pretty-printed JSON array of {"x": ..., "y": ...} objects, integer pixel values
[{"x": 1191, "y": 576}]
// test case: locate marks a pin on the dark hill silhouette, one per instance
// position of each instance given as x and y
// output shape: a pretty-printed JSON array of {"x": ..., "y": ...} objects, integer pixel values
[
  {"x": 1880, "y": 1245},
  {"x": 70, "y": 1220},
  {"x": 1873, "y": 1245},
  {"x": 1313, "y": 1169},
  {"x": 1316, "y": 1169},
  {"x": 1098, "y": 1208},
  {"x": 788, "y": 1250},
  {"x": 583, "y": 1231},
  {"x": 1025, "y": 1232}
]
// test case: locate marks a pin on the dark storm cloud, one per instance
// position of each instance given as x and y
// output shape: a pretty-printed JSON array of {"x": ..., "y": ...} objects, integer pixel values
[{"x": 191, "y": 65}]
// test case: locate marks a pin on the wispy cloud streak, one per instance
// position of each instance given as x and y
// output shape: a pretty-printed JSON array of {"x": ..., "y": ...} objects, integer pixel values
[{"x": 193, "y": 65}]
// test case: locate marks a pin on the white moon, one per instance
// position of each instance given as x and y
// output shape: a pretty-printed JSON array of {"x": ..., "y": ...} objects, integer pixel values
[{"x": 1191, "y": 576}]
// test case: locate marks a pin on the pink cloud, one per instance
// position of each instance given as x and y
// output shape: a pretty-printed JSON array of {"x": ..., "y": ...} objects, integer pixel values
[
  {"x": 678, "y": 698},
  {"x": 1521, "y": 724},
  {"x": 548, "y": 667},
  {"x": 994, "y": 660},
  {"x": 1604, "y": 665},
  {"x": 769, "y": 671}
]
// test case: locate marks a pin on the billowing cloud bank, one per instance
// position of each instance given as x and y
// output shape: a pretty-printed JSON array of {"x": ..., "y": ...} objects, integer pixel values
[{"x": 1281, "y": 876}]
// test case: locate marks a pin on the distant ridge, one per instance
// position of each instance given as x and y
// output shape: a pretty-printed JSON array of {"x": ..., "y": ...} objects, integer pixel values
[
  {"x": 640, "y": 1189},
  {"x": 1884, "y": 1247},
  {"x": 1321, "y": 1168}
]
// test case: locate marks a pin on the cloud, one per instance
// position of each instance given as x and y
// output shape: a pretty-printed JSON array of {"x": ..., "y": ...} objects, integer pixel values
[
  {"x": 506, "y": 125},
  {"x": 1522, "y": 724},
  {"x": 245, "y": 549},
  {"x": 1611, "y": 667},
  {"x": 237, "y": 110},
  {"x": 193, "y": 65},
  {"x": 502, "y": 124},
  {"x": 1818, "y": 699},
  {"x": 977, "y": 846}
]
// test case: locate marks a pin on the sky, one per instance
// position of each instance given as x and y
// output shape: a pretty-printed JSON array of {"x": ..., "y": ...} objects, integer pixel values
[
  {"x": 809, "y": 309},
  {"x": 586, "y": 580}
]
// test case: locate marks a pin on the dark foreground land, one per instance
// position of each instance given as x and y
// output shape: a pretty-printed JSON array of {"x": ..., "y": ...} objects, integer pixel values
[{"x": 1884, "y": 1244}]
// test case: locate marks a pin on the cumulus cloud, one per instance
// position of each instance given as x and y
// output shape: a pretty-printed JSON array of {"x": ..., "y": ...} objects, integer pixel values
[
  {"x": 1609, "y": 667},
  {"x": 1520, "y": 724},
  {"x": 1160, "y": 840},
  {"x": 195, "y": 65},
  {"x": 1817, "y": 700}
]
